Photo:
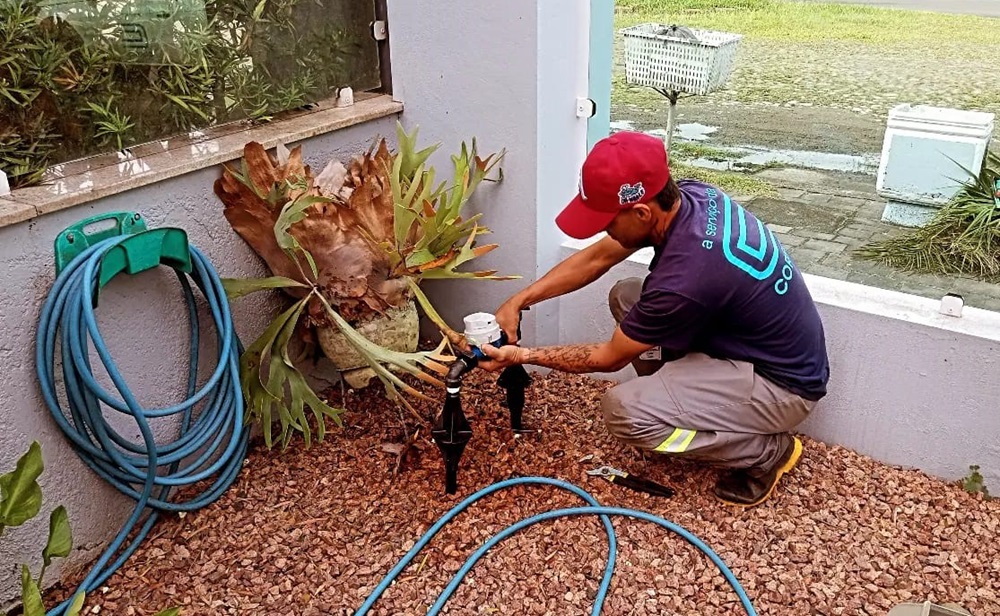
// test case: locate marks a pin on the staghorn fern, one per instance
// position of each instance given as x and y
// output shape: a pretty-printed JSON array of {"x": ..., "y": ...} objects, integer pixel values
[{"x": 346, "y": 244}]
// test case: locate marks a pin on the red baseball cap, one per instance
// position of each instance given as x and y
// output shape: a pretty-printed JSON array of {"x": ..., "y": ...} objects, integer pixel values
[{"x": 622, "y": 170}]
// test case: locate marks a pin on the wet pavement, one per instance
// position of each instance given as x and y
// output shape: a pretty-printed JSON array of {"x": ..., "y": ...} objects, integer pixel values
[
  {"x": 824, "y": 209},
  {"x": 823, "y": 217}
]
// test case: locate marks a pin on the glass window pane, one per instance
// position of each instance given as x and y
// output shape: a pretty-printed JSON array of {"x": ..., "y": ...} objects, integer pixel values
[{"x": 82, "y": 77}]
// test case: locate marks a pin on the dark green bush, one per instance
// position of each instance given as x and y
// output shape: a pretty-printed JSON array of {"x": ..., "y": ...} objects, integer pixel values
[{"x": 81, "y": 77}]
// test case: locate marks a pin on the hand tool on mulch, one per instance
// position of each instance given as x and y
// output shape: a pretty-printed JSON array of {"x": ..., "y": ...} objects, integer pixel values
[{"x": 626, "y": 480}]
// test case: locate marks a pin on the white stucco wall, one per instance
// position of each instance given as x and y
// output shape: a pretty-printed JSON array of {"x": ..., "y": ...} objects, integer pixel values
[
  {"x": 503, "y": 74},
  {"x": 145, "y": 324},
  {"x": 508, "y": 74},
  {"x": 908, "y": 386}
]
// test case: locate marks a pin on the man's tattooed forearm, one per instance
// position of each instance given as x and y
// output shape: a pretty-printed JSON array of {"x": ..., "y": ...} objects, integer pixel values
[{"x": 577, "y": 358}]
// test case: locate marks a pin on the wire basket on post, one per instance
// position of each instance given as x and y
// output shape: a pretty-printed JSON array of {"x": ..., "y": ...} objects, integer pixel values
[{"x": 675, "y": 60}]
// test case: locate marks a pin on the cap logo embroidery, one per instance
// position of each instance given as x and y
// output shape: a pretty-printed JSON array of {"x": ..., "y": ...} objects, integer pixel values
[
  {"x": 583, "y": 195},
  {"x": 629, "y": 194}
]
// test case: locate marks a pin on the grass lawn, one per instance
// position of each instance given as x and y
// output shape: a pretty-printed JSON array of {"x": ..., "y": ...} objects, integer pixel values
[
  {"x": 848, "y": 56},
  {"x": 807, "y": 66},
  {"x": 811, "y": 21},
  {"x": 735, "y": 183}
]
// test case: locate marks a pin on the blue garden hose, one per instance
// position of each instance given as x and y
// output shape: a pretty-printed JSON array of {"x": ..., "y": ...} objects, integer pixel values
[
  {"x": 212, "y": 439},
  {"x": 594, "y": 509}
]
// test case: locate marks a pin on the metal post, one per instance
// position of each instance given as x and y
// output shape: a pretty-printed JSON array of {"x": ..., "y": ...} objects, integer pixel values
[
  {"x": 672, "y": 96},
  {"x": 671, "y": 118}
]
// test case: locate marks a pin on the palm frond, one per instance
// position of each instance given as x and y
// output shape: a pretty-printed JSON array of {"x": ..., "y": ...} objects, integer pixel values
[{"x": 962, "y": 238}]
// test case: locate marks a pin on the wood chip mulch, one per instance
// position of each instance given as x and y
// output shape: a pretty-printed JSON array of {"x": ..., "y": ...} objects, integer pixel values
[{"x": 308, "y": 532}]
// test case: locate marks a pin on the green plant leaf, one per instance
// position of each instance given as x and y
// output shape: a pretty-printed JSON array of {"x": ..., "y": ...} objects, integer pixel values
[
  {"x": 60, "y": 536},
  {"x": 453, "y": 336},
  {"x": 238, "y": 287},
  {"x": 411, "y": 159},
  {"x": 274, "y": 369},
  {"x": 180, "y": 103},
  {"x": 255, "y": 388},
  {"x": 376, "y": 356},
  {"x": 20, "y": 494},
  {"x": 31, "y": 597},
  {"x": 76, "y": 606},
  {"x": 271, "y": 383},
  {"x": 259, "y": 9},
  {"x": 293, "y": 212}
]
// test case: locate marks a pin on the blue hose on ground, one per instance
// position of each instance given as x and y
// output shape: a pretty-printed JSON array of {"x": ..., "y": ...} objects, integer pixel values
[
  {"x": 433, "y": 530},
  {"x": 211, "y": 442},
  {"x": 594, "y": 509}
]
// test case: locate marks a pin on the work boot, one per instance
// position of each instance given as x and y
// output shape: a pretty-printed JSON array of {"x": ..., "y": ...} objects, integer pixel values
[{"x": 751, "y": 487}]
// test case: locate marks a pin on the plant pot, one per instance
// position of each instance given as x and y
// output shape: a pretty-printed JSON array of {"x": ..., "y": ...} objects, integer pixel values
[{"x": 397, "y": 329}]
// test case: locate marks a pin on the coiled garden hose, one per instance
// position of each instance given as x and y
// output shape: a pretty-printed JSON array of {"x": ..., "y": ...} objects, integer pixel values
[
  {"x": 594, "y": 508},
  {"x": 212, "y": 439}
]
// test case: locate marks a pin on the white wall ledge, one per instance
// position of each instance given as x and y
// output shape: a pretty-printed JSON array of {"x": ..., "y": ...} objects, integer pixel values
[
  {"x": 82, "y": 181},
  {"x": 871, "y": 300}
]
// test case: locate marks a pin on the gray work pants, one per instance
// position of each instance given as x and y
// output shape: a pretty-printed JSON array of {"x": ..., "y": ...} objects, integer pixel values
[{"x": 714, "y": 410}]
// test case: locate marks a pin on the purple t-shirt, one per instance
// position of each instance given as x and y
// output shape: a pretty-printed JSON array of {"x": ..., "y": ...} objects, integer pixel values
[{"x": 722, "y": 284}]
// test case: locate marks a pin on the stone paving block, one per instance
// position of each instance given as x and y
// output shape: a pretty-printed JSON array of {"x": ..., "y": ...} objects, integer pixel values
[
  {"x": 779, "y": 228},
  {"x": 824, "y": 246},
  {"x": 850, "y": 242},
  {"x": 788, "y": 240},
  {"x": 816, "y": 235},
  {"x": 874, "y": 280},
  {"x": 915, "y": 288},
  {"x": 872, "y": 211},
  {"x": 879, "y": 234},
  {"x": 858, "y": 232},
  {"x": 819, "y": 269},
  {"x": 789, "y": 194},
  {"x": 844, "y": 210},
  {"x": 974, "y": 287},
  {"x": 814, "y": 199},
  {"x": 866, "y": 266},
  {"x": 802, "y": 255},
  {"x": 843, "y": 260},
  {"x": 853, "y": 202}
]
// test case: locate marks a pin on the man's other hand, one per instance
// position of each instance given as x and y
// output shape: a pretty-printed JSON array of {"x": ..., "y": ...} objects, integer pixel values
[
  {"x": 509, "y": 319},
  {"x": 501, "y": 358}
]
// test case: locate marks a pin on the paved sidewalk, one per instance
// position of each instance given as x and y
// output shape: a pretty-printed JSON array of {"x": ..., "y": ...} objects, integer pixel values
[{"x": 821, "y": 221}]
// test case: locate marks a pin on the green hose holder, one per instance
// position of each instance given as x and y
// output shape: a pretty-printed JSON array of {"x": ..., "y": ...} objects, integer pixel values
[{"x": 144, "y": 249}]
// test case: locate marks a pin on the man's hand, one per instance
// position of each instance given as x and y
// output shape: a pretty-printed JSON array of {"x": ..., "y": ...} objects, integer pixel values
[
  {"x": 509, "y": 319},
  {"x": 505, "y": 356},
  {"x": 609, "y": 356}
]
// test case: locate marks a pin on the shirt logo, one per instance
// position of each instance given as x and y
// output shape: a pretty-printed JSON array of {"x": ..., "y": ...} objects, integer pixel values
[
  {"x": 629, "y": 194},
  {"x": 737, "y": 248}
]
